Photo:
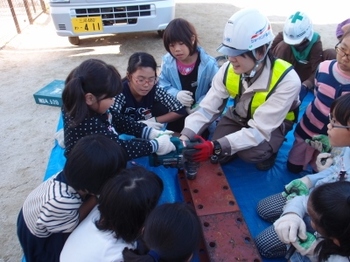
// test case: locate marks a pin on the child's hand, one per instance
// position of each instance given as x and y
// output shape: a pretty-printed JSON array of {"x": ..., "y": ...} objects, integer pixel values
[
  {"x": 157, "y": 133},
  {"x": 290, "y": 227},
  {"x": 297, "y": 187},
  {"x": 320, "y": 143},
  {"x": 306, "y": 247},
  {"x": 323, "y": 161},
  {"x": 185, "y": 97},
  {"x": 165, "y": 145},
  {"x": 152, "y": 122}
]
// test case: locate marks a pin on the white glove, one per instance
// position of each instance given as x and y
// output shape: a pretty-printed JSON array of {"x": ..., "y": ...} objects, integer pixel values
[
  {"x": 185, "y": 97},
  {"x": 157, "y": 133},
  {"x": 152, "y": 122},
  {"x": 165, "y": 146},
  {"x": 324, "y": 161},
  {"x": 289, "y": 227}
]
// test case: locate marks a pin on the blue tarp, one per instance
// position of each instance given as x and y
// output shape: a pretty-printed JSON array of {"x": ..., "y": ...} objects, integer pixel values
[{"x": 248, "y": 184}]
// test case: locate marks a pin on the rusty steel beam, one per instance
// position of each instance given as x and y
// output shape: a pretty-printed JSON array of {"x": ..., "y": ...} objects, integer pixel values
[{"x": 226, "y": 236}]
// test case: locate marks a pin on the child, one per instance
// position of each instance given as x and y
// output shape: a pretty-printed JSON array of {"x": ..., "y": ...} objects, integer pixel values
[
  {"x": 87, "y": 98},
  {"x": 329, "y": 209},
  {"x": 187, "y": 70},
  {"x": 332, "y": 80},
  {"x": 125, "y": 202},
  {"x": 142, "y": 99},
  {"x": 301, "y": 46},
  {"x": 172, "y": 233},
  {"x": 56, "y": 207},
  {"x": 272, "y": 207}
]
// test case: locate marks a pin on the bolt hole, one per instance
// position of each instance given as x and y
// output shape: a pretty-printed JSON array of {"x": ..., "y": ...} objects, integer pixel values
[
  {"x": 256, "y": 260},
  {"x": 219, "y": 173},
  {"x": 231, "y": 203},
  {"x": 195, "y": 191},
  {"x": 247, "y": 239},
  {"x": 200, "y": 206},
  {"x": 206, "y": 224},
  {"x": 240, "y": 220},
  {"x": 225, "y": 187},
  {"x": 212, "y": 244}
]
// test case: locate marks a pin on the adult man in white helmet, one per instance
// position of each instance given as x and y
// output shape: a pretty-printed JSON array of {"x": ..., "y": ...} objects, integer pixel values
[
  {"x": 265, "y": 92},
  {"x": 302, "y": 47}
]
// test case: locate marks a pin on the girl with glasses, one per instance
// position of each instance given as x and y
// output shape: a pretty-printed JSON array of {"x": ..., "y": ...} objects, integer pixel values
[
  {"x": 142, "y": 99},
  {"x": 288, "y": 208},
  {"x": 332, "y": 81},
  {"x": 88, "y": 98}
]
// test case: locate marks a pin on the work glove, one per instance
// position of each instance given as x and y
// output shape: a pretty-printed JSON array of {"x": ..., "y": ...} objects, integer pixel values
[
  {"x": 152, "y": 122},
  {"x": 297, "y": 187},
  {"x": 156, "y": 133},
  {"x": 185, "y": 97},
  {"x": 306, "y": 247},
  {"x": 165, "y": 145},
  {"x": 324, "y": 161},
  {"x": 204, "y": 149},
  {"x": 320, "y": 143},
  {"x": 289, "y": 227}
]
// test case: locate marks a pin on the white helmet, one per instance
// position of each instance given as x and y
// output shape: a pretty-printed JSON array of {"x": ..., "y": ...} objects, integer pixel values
[
  {"x": 245, "y": 31},
  {"x": 296, "y": 28}
]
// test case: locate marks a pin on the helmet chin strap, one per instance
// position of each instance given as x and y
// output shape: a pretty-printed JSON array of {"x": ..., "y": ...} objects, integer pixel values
[{"x": 258, "y": 62}]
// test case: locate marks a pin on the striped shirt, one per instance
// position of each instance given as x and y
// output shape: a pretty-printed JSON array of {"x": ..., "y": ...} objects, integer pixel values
[
  {"x": 53, "y": 207},
  {"x": 330, "y": 83}
]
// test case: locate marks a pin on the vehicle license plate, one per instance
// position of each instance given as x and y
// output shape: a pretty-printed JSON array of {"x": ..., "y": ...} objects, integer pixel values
[{"x": 90, "y": 24}]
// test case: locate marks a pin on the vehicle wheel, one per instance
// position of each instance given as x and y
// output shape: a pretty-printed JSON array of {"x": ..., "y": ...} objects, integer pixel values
[
  {"x": 160, "y": 33},
  {"x": 74, "y": 40}
]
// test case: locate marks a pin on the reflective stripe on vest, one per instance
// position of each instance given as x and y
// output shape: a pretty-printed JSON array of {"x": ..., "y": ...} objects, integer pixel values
[{"x": 279, "y": 69}]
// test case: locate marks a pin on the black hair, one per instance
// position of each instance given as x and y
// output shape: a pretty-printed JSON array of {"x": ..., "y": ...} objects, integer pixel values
[
  {"x": 340, "y": 109},
  {"x": 93, "y": 160},
  {"x": 180, "y": 30},
  {"x": 172, "y": 232},
  {"x": 126, "y": 201},
  {"x": 259, "y": 50},
  {"x": 141, "y": 59},
  {"x": 91, "y": 76},
  {"x": 331, "y": 203}
]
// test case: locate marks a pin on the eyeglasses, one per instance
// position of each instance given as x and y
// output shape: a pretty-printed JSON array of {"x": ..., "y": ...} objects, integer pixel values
[
  {"x": 332, "y": 121},
  {"x": 143, "y": 80},
  {"x": 341, "y": 52}
]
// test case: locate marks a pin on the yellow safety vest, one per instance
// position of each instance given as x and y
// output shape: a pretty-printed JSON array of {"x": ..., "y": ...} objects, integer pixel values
[{"x": 232, "y": 81}]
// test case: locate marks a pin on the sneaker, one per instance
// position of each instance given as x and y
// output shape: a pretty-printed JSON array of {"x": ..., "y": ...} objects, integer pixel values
[{"x": 267, "y": 164}]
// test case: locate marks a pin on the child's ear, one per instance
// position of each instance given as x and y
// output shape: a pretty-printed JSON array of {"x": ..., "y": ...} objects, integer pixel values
[
  {"x": 90, "y": 99},
  {"x": 193, "y": 38},
  {"x": 128, "y": 76}
]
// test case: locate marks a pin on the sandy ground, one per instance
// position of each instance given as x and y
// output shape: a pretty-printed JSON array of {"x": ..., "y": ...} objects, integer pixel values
[{"x": 37, "y": 56}]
